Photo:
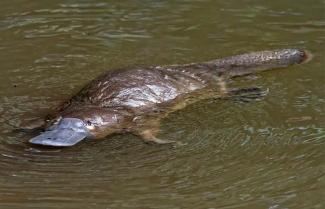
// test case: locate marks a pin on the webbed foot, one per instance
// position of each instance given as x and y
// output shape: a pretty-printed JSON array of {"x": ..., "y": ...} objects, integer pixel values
[
  {"x": 247, "y": 94},
  {"x": 149, "y": 136},
  {"x": 165, "y": 141}
]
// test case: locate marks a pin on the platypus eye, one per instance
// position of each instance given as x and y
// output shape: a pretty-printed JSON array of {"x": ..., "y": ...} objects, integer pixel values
[
  {"x": 48, "y": 118},
  {"x": 89, "y": 125}
]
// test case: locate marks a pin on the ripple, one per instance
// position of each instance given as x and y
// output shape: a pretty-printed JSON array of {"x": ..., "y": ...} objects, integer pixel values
[
  {"x": 303, "y": 27},
  {"x": 265, "y": 154}
]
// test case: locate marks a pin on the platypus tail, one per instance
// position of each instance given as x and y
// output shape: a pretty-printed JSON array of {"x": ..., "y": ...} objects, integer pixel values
[{"x": 249, "y": 63}]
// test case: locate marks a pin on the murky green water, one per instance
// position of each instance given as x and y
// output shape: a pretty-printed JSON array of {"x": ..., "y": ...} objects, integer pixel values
[{"x": 267, "y": 154}]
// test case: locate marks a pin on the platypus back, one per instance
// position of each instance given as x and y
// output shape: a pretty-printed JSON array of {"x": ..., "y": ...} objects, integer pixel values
[{"x": 131, "y": 100}]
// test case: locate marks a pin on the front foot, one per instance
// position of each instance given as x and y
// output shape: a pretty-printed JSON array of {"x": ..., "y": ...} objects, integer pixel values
[
  {"x": 160, "y": 141},
  {"x": 149, "y": 136},
  {"x": 165, "y": 141}
]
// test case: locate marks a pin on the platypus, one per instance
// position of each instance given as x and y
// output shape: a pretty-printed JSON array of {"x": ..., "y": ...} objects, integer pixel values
[{"x": 135, "y": 100}]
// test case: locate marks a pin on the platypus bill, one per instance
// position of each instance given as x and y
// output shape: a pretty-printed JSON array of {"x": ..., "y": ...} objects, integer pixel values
[{"x": 135, "y": 100}]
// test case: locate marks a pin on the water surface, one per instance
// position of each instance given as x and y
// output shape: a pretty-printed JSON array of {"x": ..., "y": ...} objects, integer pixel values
[{"x": 265, "y": 154}]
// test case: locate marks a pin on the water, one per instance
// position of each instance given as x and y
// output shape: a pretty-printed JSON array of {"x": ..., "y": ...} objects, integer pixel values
[{"x": 267, "y": 154}]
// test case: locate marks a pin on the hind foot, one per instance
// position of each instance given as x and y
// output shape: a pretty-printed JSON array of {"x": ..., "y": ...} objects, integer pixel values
[{"x": 247, "y": 94}]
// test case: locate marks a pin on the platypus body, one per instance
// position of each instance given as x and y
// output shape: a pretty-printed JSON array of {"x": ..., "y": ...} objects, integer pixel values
[{"x": 135, "y": 100}]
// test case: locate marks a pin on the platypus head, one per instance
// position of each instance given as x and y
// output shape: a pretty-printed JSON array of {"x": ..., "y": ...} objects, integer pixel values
[{"x": 75, "y": 124}]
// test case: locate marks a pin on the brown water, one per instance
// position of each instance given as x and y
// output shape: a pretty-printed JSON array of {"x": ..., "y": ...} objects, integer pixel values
[{"x": 267, "y": 154}]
